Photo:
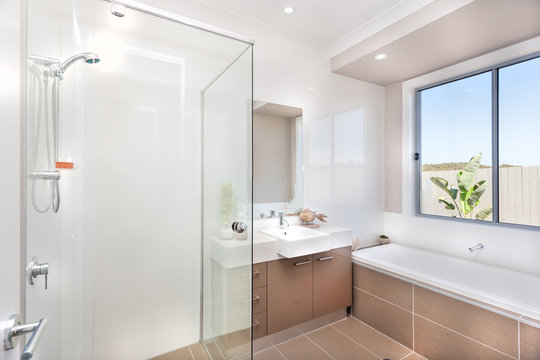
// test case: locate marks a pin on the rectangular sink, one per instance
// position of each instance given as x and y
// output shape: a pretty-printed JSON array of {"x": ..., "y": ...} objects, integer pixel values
[{"x": 296, "y": 241}]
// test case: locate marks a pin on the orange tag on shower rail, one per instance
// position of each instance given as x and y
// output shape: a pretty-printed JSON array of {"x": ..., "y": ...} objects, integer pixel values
[{"x": 64, "y": 165}]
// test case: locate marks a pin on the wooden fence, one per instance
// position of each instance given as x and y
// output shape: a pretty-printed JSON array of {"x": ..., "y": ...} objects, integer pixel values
[{"x": 519, "y": 193}]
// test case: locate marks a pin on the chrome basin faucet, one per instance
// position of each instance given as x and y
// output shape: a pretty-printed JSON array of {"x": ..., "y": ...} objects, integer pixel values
[{"x": 282, "y": 222}]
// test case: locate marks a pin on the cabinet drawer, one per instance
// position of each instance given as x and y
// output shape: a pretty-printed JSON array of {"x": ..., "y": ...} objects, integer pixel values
[
  {"x": 259, "y": 300},
  {"x": 259, "y": 275},
  {"x": 259, "y": 325}
]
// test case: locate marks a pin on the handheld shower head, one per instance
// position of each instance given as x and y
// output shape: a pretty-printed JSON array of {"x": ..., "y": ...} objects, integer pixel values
[{"x": 58, "y": 70}]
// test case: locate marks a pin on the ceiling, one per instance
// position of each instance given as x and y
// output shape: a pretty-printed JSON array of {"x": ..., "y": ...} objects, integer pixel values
[
  {"x": 321, "y": 21},
  {"x": 477, "y": 28}
]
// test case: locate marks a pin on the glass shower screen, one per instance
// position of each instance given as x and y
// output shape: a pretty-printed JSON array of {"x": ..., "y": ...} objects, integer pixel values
[{"x": 146, "y": 155}]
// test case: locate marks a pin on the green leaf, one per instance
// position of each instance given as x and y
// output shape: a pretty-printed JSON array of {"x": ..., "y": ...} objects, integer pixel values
[
  {"x": 476, "y": 193},
  {"x": 443, "y": 184},
  {"x": 484, "y": 213},
  {"x": 466, "y": 177},
  {"x": 448, "y": 206}
]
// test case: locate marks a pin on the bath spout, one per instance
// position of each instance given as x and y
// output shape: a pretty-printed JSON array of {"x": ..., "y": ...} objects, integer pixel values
[{"x": 476, "y": 247}]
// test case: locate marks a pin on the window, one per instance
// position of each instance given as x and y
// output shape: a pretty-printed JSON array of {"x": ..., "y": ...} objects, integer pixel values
[{"x": 472, "y": 125}]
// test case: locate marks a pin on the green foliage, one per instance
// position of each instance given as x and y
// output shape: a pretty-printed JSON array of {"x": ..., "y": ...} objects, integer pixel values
[
  {"x": 227, "y": 205},
  {"x": 467, "y": 196}
]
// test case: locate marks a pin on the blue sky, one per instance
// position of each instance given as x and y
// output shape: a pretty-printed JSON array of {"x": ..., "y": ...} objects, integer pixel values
[{"x": 456, "y": 118}]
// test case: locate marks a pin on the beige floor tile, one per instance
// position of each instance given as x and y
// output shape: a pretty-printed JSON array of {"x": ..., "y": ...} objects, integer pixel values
[
  {"x": 379, "y": 344},
  {"x": 487, "y": 327},
  {"x": 198, "y": 352},
  {"x": 301, "y": 348},
  {"x": 214, "y": 351},
  {"x": 436, "y": 342},
  {"x": 383, "y": 316},
  {"x": 180, "y": 354},
  {"x": 338, "y": 346},
  {"x": 268, "y": 354}
]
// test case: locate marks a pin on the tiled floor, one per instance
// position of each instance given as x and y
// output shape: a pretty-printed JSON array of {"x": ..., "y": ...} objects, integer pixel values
[{"x": 348, "y": 339}]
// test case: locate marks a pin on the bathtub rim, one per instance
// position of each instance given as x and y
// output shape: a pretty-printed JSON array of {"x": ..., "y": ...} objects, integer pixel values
[{"x": 512, "y": 311}]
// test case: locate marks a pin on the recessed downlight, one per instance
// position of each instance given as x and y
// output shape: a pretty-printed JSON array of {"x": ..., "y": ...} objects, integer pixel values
[
  {"x": 288, "y": 10},
  {"x": 381, "y": 56}
]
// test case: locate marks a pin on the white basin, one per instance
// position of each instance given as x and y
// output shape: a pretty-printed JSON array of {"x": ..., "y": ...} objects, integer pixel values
[{"x": 296, "y": 241}]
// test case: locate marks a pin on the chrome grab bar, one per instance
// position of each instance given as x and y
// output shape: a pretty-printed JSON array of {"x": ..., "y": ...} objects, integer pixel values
[
  {"x": 302, "y": 263},
  {"x": 326, "y": 258},
  {"x": 14, "y": 329}
]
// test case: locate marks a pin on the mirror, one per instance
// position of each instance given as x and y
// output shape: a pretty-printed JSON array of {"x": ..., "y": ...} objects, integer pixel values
[{"x": 277, "y": 159}]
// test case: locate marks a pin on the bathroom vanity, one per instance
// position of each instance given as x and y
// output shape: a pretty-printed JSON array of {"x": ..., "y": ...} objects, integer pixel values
[{"x": 292, "y": 291}]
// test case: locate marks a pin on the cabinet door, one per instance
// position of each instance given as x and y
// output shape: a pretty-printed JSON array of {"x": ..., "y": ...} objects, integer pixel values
[
  {"x": 332, "y": 281},
  {"x": 290, "y": 292}
]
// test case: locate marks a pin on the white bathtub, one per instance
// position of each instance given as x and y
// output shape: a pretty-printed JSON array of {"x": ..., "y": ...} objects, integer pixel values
[{"x": 509, "y": 290}]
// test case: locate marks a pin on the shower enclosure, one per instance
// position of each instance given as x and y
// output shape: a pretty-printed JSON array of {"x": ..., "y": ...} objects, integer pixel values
[{"x": 138, "y": 167}]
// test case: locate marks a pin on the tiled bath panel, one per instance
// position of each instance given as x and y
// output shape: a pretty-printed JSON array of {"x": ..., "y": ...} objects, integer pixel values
[{"x": 437, "y": 326}]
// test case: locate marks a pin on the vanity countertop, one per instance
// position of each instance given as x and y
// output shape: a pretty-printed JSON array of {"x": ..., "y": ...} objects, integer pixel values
[{"x": 265, "y": 247}]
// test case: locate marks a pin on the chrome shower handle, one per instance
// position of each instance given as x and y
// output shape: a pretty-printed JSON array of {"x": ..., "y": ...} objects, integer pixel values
[{"x": 14, "y": 329}]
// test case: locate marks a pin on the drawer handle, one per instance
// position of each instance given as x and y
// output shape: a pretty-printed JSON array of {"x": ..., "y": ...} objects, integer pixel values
[
  {"x": 255, "y": 298},
  {"x": 302, "y": 263},
  {"x": 256, "y": 324},
  {"x": 326, "y": 258},
  {"x": 255, "y": 273}
]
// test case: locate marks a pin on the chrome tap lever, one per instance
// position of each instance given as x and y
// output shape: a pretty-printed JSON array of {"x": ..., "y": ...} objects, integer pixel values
[
  {"x": 14, "y": 329},
  {"x": 34, "y": 269}
]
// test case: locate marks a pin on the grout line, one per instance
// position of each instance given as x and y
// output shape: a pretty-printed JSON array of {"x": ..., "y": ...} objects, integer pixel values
[
  {"x": 347, "y": 336},
  {"x": 465, "y": 336},
  {"x": 191, "y": 352},
  {"x": 280, "y": 353},
  {"x": 386, "y": 301},
  {"x": 317, "y": 345},
  {"x": 406, "y": 356},
  {"x": 413, "y": 339},
  {"x": 383, "y": 334},
  {"x": 219, "y": 349},
  {"x": 519, "y": 340}
]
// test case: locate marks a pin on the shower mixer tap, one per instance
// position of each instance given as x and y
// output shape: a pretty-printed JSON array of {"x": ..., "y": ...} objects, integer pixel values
[{"x": 34, "y": 269}]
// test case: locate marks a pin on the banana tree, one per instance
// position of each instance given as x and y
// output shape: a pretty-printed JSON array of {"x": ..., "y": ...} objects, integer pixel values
[{"x": 467, "y": 196}]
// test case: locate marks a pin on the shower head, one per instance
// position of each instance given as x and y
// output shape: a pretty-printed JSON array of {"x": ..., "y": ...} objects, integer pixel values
[{"x": 59, "y": 69}]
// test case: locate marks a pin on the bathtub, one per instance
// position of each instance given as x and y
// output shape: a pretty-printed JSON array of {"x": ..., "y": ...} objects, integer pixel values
[{"x": 516, "y": 294}]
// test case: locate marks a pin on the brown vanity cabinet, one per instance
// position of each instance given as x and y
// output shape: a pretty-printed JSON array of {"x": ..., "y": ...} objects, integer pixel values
[
  {"x": 306, "y": 287},
  {"x": 332, "y": 281},
  {"x": 290, "y": 292}
]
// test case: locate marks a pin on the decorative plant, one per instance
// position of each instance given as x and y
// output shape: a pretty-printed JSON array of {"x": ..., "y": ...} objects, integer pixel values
[
  {"x": 467, "y": 196},
  {"x": 227, "y": 204},
  {"x": 383, "y": 236}
]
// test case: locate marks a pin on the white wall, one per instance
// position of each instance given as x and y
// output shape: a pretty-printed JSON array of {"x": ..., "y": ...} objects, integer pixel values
[
  {"x": 507, "y": 247},
  {"x": 11, "y": 36}
]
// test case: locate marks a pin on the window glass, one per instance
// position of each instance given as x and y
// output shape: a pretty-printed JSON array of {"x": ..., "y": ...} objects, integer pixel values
[
  {"x": 456, "y": 150},
  {"x": 519, "y": 143}
]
